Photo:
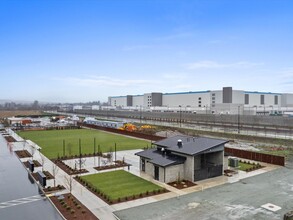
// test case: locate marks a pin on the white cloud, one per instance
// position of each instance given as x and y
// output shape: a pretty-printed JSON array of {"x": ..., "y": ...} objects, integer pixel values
[
  {"x": 207, "y": 64},
  {"x": 103, "y": 81}
]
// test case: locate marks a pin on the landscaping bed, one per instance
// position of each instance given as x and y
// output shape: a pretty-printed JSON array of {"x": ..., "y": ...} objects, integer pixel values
[
  {"x": 50, "y": 189},
  {"x": 118, "y": 163},
  {"x": 9, "y": 139},
  {"x": 71, "y": 208},
  {"x": 249, "y": 166},
  {"x": 119, "y": 186},
  {"x": 46, "y": 173},
  {"x": 22, "y": 153},
  {"x": 36, "y": 163},
  {"x": 182, "y": 184},
  {"x": 68, "y": 169}
]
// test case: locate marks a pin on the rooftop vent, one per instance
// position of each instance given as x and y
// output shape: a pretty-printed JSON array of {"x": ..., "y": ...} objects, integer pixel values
[{"x": 179, "y": 143}]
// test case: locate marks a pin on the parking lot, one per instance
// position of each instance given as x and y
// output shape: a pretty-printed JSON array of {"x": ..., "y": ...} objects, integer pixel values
[{"x": 240, "y": 200}]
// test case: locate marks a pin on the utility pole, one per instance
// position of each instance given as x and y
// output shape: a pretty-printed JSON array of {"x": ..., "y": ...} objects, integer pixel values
[{"x": 180, "y": 115}]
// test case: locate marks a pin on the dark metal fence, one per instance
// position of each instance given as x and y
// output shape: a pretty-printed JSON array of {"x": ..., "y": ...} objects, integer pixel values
[
  {"x": 250, "y": 155},
  {"x": 208, "y": 172}
]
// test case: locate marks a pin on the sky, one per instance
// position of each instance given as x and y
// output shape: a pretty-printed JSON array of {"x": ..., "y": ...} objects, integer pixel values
[{"x": 88, "y": 50}]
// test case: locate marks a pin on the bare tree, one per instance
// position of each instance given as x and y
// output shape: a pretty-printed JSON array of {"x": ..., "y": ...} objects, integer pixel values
[
  {"x": 55, "y": 170},
  {"x": 43, "y": 160},
  {"x": 23, "y": 144},
  {"x": 68, "y": 182},
  {"x": 33, "y": 150}
]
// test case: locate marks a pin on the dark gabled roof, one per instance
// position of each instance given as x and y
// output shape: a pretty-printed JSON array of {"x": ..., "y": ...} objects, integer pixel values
[
  {"x": 190, "y": 145},
  {"x": 159, "y": 158}
]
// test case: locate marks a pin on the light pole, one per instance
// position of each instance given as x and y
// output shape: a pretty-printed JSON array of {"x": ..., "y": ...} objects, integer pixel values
[
  {"x": 180, "y": 115},
  {"x": 255, "y": 109},
  {"x": 140, "y": 113}
]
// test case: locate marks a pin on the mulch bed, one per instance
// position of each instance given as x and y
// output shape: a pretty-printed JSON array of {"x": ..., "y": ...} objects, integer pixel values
[
  {"x": 105, "y": 198},
  {"x": 47, "y": 174},
  {"x": 22, "y": 153},
  {"x": 82, "y": 156},
  {"x": 9, "y": 139},
  {"x": 67, "y": 169},
  {"x": 183, "y": 184},
  {"x": 72, "y": 209},
  {"x": 37, "y": 164},
  {"x": 229, "y": 173},
  {"x": 50, "y": 189},
  {"x": 118, "y": 163}
]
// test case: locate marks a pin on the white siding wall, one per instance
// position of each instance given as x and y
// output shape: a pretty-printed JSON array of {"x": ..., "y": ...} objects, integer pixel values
[
  {"x": 137, "y": 100},
  {"x": 269, "y": 100},
  {"x": 237, "y": 97},
  {"x": 287, "y": 100},
  {"x": 186, "y": 99},
  {"x": 120, "y": 101}
]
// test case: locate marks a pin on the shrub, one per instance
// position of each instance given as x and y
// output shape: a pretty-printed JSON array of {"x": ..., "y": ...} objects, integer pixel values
[
  {"x": 140, "y": 195},
  {"x": 83, "y": 211},
  {"x": 147, "y": 192},
  {"x": 72, "y": 211},
  {"x": 78, "y": 206},
  {"x": 119, "y": 200},
  {"x": 68, "y": 208}
]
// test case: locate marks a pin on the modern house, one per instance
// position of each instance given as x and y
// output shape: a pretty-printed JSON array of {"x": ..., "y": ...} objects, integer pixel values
[{"x": 183, "y": 157}]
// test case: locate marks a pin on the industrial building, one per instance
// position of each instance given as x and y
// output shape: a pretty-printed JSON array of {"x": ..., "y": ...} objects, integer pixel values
[{"x": 226, "y": 101}]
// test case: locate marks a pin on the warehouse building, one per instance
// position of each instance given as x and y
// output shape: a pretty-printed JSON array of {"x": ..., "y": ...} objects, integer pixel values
[{"x": 226, "y": 101}]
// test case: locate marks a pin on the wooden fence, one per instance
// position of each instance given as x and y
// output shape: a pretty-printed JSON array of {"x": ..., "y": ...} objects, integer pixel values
[{"x": 250, "y": 155}]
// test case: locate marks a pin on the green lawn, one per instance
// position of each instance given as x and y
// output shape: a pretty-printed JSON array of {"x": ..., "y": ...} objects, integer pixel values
[
  {"x": 245, "y": 166},
  {"x": 119, "y": 184},
  {"x": 51, "y": 141}
]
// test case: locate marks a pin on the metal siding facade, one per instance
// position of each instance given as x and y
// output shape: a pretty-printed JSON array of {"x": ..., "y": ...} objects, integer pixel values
[{"x": 227, "y": 94}]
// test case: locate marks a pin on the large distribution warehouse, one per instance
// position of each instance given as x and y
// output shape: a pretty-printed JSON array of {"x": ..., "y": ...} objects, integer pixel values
[{"x": 226, "y": 101}]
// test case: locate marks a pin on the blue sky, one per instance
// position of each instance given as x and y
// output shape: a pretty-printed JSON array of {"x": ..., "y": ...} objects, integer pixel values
[{"x": 87, "y": 50}]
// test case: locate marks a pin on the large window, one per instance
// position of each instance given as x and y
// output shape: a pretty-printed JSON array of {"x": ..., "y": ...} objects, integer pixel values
[
  {"x": 262, "y": 99},
  {"x": 246, "y": 99},
  {"x": 276, "y": 100}
]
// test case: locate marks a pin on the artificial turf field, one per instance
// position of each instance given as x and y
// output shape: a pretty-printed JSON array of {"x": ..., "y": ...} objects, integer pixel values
[
  {"x": 119, "y": 184},
  {"x": 51, "y": 141}
]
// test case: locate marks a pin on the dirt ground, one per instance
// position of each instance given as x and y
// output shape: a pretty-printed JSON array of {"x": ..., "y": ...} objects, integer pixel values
[{"x": 5, "y": 114}]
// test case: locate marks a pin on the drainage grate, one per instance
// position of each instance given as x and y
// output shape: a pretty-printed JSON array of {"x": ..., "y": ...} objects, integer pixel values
[{"x": 271, "y": 207}]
